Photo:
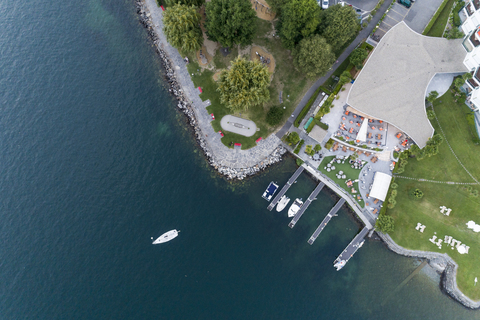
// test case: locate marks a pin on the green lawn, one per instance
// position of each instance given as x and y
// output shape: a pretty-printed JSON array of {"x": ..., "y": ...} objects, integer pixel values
[
  {"x": 439, "y": 25},
  {"x": 347, "y": 170},
  {"x": 443, "y": 167}
]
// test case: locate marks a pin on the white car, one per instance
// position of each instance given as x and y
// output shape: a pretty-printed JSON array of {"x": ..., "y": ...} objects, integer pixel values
[{"x": 324, "y": 4}]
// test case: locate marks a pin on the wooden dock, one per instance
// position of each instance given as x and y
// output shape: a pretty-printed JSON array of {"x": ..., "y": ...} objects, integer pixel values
[
  {"x": 286, "y": 187},
  {"x": 329, "y": 216},
  {"x": 306, "y": 204}
]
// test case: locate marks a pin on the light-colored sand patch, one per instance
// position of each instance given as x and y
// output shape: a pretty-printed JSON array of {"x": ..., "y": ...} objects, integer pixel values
[
  {"x": 216, "y": 76},
  {"x": 245, "y": 51},
  {"x": 203, "y": 57},
  {"x": 267, "y": 57},
  {"x": 262, "y": 9},
  {"x": 210, "y": 45}
]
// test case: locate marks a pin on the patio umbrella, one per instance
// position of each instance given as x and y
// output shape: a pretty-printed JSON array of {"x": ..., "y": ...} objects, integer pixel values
[{"x": 461, "y": 249}]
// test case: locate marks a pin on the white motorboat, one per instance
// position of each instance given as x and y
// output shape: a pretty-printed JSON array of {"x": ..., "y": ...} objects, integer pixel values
[
  {"x": 340, "y": 264},
  {"x": 297, "y": 204},
  {"x": 167, "y": 236},
  {"x": 282, "y": 203}
]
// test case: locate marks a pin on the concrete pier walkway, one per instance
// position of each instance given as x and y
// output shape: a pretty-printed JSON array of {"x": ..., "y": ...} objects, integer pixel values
[
  {"x": 289, "y": 183},
  {"x": 306, "y": 204},
  {"x": 329, "y": 216}
]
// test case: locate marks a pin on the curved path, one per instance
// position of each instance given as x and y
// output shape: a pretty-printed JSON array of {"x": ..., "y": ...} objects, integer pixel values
[{"x": 231, "y": 158}]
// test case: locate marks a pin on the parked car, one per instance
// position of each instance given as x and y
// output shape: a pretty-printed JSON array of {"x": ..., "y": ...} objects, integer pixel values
[
  {"x": 324, "y": 4},
  {"x": 406, "y": 3}
]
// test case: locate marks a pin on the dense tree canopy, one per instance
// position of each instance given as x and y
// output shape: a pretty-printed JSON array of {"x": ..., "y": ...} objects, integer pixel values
[
  {"x": 358, "y": 56},
  {"x": 314, "y": 56},
  {"x": 182, "y": 27},
  {"x": 385, "y": 224},
  {"x": 277, "y": 5},
  {"x": 189, "y": 3},
  {"x": 244, "y": 85},
  {"x": 299, "y": 20},
  {"x": 230, "y": 22},
  {"x": 339, "y": 25},
  {"x": 274, "y": 115}
]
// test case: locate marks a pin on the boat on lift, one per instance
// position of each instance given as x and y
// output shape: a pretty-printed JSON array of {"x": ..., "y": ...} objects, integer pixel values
[
  {"x": 167, "y": 236},
  {"x": 297, "y": 204},
  {"x": 282, "y": 203}
]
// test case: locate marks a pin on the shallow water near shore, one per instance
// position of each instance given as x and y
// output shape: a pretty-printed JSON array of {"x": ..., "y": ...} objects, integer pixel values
[{"x": 95, "y": 160}]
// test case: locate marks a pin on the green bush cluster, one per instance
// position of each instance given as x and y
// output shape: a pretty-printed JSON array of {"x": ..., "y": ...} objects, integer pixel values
[
  {"x": 274, "y": 115},
  {"x": 385, "y": 224},
  {"x": 329, "y": 144},
  {"x": 309, "y": 150},
  {"x": 292, "y": 138},
  {"x": 317, "y": 147},
  {"x": 391, "y": 199},
  {"x": 472, "y": 192},
  {"x": 299, "y": 146},
  {"x": 430, "y": 149},
  {"x": 299, "y": 161}
]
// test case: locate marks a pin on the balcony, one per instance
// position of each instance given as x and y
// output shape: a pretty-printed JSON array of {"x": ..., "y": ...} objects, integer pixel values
[{"x": 470, "y": 9}]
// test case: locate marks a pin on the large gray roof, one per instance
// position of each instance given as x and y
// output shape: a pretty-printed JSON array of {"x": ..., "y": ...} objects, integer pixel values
[{"x": 393, "y": 82}]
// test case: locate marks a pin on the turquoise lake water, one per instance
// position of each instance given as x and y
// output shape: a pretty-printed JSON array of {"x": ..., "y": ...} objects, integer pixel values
[{"x": 95, "y": 160}]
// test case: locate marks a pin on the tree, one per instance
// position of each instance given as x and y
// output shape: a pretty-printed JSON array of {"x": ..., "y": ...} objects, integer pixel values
[
  {"x": 314, "y": 56},
  {"x": 340, "y": 25},
  {"x": 432, "y": 96},
  {"x": 467, "y": 76},
  {"x": 345, "y": 77},
  {"x": 230, "y": 22},
  {"x": 385, "y": 224},
  {"x": 293, "y": 138},
  {"x": 274, "y": 115},
  {"x": 317, "y": 147},
  {"x": 458, "y": 83},
  {"x": 299, "y": 20},
  {"x": 358, "y": 56},
  {"x": 197, "y": 3},
  {"x": 277, "y": 5},
  {"x": 244, "y": 85},
  {"x": 182, "y": 27}
]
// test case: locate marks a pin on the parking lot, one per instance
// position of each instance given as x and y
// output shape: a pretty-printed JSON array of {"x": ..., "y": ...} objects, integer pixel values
[{"x": 416, "y": 17}]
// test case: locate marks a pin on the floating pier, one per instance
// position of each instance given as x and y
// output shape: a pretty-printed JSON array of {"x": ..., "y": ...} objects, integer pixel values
[
  {"x": 285, "y": 187},
  {"x": 329, "y": 216},
  {"x": 353, "y": 246},
  {"x": 306, "y": 204}
]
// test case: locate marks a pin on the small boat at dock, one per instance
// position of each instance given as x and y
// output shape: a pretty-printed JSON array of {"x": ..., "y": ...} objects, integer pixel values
[
  {"x": 167, "y": 236},
  {"x": 297, "y": 204},
  {"x": 282, "y": 203},
  {"x": 270, "y": 191},
  {"x": 340, "y": 264}
]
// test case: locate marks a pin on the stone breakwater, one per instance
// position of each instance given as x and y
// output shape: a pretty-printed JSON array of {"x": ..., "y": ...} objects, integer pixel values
[
  {"x": 442, "y": 263},
  {"x": 188, "y": 109}
]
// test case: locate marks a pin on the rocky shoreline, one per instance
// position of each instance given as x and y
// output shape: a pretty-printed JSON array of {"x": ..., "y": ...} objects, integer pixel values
[
  {"x": 442, "y": 263},
  {"x": 186, "y": 107}
]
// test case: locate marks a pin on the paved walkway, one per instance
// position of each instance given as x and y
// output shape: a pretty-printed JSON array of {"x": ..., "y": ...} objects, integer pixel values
[{"x": 232, "y": 158}]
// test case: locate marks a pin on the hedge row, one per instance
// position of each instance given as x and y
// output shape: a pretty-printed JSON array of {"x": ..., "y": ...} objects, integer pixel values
[
  {"x": 322, "y": 125},
  {"x": 435, "y": 16},
  {"x": 305, "y": 109}
]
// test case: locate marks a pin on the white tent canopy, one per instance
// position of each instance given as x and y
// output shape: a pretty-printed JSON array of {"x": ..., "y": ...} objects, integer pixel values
[
  {"x": 381, "y": 182},
  {"x": 362, "y": 133}
]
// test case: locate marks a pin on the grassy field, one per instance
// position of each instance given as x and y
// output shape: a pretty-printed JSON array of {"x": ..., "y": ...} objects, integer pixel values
[
  {"x": 348, "y": 171},
  {"x": 286, "y": 78},
  {"x": 443, "y": 167},
  {"x": 439, "y": 26}
]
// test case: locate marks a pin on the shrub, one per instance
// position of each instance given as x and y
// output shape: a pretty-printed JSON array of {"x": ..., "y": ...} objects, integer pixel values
[
  {"x": 385, "y": 224},
  {"x": 293, "y": 138},
  {"x": 393, "y": 193},
  {"x": 309, "y": 150},
  {"x": 317, "y": 147},
  {"x": 305, "y": 109},
  {"x": 400, "y": 170},
  {"x": 430, "y": 114},
  {"x": 274, "y": 115},
  {"x": 299, "y": 161},
  {"x": 394, "y": 185},
  {"x": 417, "y": 193},
  {"x": 297, "y": 149},
  {"x": 329, "y": 144}
]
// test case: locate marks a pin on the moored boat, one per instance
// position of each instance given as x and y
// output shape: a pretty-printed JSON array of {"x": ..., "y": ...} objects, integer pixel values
[
  {"x": 270, "y": 191},
  {"x": 340, "y": 264},
  {"x": 167, "y": 236},
  {"x": 282, "y": 203},
  {"x": 297, "y": 204}
]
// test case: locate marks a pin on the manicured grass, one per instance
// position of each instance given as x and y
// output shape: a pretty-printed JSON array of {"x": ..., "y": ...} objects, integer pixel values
[
  {"x": 222, "y": 62},
  {"x": 443, "y": 167},
  {"x": 438, "y": 26},
  {"x": 348, "y": 171}
]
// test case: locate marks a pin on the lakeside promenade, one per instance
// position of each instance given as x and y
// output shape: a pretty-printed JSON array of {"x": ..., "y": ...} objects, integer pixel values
[{"x": 223, "y": 156}]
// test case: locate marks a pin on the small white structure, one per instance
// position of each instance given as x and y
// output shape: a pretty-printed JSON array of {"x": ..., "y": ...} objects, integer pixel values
[
  {"x": 420, "y": 227},
  {"x": 472, "y": 225},
  {"x": 381, "y": 182},
  {"x": 362, "y": 133}
]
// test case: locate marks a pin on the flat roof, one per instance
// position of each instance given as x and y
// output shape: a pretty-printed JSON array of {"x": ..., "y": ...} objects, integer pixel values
[
  {"x": 380, "y": 185},
  {"x": 392, "y": 85},
  {"x": 318, "y": 133}
]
